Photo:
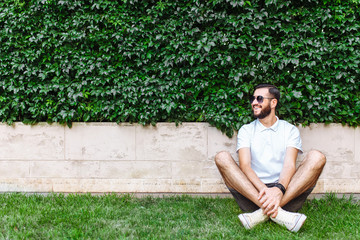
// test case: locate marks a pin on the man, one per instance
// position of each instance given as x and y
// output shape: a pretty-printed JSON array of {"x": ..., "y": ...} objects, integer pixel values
[{"x": 266, "y": 182}]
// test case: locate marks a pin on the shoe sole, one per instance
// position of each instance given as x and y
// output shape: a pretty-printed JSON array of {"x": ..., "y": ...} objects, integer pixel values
[
  {"x": 299, "y": 223},
  {"x": 244, "y": 221}
]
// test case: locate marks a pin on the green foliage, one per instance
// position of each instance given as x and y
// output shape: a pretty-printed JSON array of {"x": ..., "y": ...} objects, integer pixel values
[{"x": 153, "y": 61}]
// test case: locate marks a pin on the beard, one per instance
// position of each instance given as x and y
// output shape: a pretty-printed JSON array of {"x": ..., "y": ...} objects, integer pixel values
[{"x": 263, "y": 113}]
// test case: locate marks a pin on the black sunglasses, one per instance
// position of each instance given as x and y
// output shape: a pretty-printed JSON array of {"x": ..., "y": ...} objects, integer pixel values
[{"x": 259, "y": 99}]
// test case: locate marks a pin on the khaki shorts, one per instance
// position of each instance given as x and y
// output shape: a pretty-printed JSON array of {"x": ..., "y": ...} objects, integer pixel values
[{"x": 248, "y": 206}]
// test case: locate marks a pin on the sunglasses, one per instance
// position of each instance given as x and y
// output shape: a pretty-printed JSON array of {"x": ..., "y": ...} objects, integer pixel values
[{"x": 259, "y": 99}]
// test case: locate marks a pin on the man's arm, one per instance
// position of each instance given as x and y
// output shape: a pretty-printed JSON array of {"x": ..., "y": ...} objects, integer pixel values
[
  {"x": 274, "y": 195},
  {"x": 268, "y": 198},
  {"x": 245, "y": 166},
  {"x": 289, "y": 167}
]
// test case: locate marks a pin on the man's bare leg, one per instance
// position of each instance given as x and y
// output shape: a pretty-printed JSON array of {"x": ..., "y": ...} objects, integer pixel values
[
  {"x": 234, "y": 178},
  {"x": 305, "y": 176}
]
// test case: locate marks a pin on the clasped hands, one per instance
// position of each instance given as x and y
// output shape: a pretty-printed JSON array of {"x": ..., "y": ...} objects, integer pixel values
[{"x": 270, "y": 200}]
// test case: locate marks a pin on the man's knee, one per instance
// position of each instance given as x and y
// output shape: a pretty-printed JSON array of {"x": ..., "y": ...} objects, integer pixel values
[
  {"x": 317, "y": 158},
  {"x": 223, "y": 158}
]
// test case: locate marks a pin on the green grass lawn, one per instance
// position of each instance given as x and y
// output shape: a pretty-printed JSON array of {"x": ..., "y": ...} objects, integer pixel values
[{"x": 178, "y": 217}]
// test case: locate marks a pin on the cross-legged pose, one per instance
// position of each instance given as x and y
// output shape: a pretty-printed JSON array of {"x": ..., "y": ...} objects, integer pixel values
[{"x": 266, "y": 183}]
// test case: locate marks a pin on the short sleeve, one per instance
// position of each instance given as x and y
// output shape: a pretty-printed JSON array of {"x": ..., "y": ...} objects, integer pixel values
[
  {"x": 243, "y": 138},
  {"x": 294, "y": 139}
]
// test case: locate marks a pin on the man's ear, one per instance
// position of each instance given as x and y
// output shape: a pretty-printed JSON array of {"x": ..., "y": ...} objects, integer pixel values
[{"x": 274, "y": 103}]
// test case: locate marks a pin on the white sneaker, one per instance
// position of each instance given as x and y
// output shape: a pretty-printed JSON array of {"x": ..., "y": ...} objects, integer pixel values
[
  {"x": 250, "y": 220},
  {"x": 292, "y": 221}
]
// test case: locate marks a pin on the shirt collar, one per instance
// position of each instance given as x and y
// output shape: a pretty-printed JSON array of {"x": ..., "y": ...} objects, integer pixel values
[{"x": 261, "y": 127}]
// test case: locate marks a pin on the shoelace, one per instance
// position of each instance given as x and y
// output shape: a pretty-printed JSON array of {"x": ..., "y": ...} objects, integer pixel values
[{"x": 287, "y": 223}]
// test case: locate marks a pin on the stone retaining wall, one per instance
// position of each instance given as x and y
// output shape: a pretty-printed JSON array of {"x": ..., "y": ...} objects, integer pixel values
[{"x": 107, "y": 157}]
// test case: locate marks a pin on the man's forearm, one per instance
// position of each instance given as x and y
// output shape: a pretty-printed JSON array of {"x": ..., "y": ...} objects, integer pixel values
[
  {"x": 286, "y": 175},
  {"x": 253, "y": 178},
  {"x": 289, "y": 167}
]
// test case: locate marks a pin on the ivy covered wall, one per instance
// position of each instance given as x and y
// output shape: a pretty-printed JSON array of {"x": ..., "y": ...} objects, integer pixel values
[{"x": 181, "y": 61}]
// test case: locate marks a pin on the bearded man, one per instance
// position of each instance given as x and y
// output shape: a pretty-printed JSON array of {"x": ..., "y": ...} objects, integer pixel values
[{"x": 266, "y": 184}]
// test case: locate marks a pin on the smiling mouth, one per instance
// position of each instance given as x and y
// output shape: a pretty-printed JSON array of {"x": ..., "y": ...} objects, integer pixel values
[{"x": 256, "y": 107}]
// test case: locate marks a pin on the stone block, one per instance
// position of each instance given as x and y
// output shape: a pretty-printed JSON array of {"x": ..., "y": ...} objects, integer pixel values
[
  {"x": 186, "y": 185},
  {"x": 30, "y": 185},
  {"x": 186, "y": 170},
  {"x": 334, "y": 140},
  {"x": 218, "y": 141},
  {"x": 320, "y": 186},
  {"x": 112, "y": 185},
  {"x": 341, "y": 170},
  {"x": 209, "y": 170},
  {"x": 341, "y": 185},
  {"x": 27, "y": 142},
  {"x": 156, "y": 186},
  {"x": 69, "y": 185},
  {"x": 213, "y": 185},
  {"x": 135, "y": 170},
  {"x": 64, "y": 169},
  {"x": 103, "y": 186},
  {"x": 100, "y": 141},
  {"x": 166, "y": 141},
  {"x": 14, "y": 169}
]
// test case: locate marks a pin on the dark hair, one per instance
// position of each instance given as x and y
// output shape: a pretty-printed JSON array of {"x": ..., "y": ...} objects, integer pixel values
[{"x": 274, "y": 91}]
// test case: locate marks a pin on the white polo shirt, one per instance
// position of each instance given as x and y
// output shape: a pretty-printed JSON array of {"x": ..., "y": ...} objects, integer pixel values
[{"x": 268, "y": 146}]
